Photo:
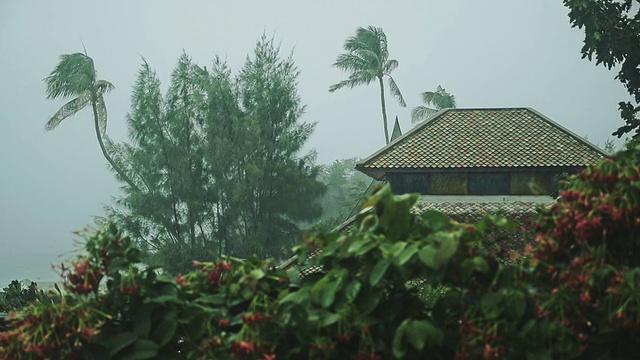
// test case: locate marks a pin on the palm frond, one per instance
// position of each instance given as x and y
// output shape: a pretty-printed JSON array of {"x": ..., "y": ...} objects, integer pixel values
[
  {"x": 389, "y": 66},
  {"x": 395, "y": 91},
  {"x": 74, "y": 74},
  {"x": 420, "y": 113},
  {"x": 440, "y": 99},
  {"x": 104, "y": 87},
  {"x": 351, "y": 83},
  {"x": 352, "y": 62},
  {"x": 67, "y": 110}
]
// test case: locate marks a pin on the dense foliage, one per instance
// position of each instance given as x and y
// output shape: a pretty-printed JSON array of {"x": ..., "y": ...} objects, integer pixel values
[
  {"x": 15, "y": 296},
  {"x": 575, "y": 294},
  {"x": 218, "y": 161},
  {"x": 612, "y": 36},
  {"x": 433, "y": 101},
  {"x": 345, "y": 190}
]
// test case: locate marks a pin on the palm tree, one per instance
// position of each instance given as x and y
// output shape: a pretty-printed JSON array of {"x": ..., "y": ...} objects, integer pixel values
[
  {"x": 367, "y": 58},
  {"x": 75, "y": 77},
  {"x": 439, "y": 99}
]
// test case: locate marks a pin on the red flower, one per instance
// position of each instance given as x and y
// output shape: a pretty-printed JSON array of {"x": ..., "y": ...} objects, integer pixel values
[
  {"x": 241, "y": 348},
  {"x": 223, "y": 323},
  {"x": 585, "y": 297},
  {"x": 181, "y": 280}
]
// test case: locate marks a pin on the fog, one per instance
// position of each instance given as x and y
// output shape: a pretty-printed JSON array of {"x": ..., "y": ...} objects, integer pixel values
[{"x": 500, "y": 53}]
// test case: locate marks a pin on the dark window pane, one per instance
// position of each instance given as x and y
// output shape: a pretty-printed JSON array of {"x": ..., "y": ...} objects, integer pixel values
[
  {"x": 408, "y": 183},
  {"x": 489, "y": 183}
]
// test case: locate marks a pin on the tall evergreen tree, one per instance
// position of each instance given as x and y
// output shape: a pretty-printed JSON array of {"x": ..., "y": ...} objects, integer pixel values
[
  {"x": 367, "y": 59},
  {"x": 173, "y": 216},
  {"x": 278, "y": 185},
  {"x": 219, "y": 160}
]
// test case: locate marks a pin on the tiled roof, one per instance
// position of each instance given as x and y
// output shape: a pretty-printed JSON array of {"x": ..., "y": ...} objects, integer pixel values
[
  {"x": 522, "y": 213},
  {"x": 484, "y": 138}
]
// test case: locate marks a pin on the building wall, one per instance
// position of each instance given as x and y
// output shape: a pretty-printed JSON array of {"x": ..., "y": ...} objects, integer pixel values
[{"x": 473, "y": 183}]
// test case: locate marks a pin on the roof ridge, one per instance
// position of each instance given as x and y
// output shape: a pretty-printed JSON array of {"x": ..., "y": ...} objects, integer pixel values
[
  {"x": 466, "y": 138},
  {"x": 569, "y": 132}
]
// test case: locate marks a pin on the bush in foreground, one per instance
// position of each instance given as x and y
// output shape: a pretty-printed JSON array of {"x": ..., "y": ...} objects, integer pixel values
[{"x": 576, "y": 294}]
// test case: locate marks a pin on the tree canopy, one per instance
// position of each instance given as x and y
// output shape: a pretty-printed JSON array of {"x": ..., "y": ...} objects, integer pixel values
[
  {"x": 219, "y": 159},
  {"x": 612, "y": 37},
  {"x": 434, "y": 101},
  {"x": 366, "y": 58},
  {"x": 75, "y": 77}
]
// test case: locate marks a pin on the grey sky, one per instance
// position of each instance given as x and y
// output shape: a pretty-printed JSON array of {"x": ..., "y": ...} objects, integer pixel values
[{"x": 494, "y": 53}]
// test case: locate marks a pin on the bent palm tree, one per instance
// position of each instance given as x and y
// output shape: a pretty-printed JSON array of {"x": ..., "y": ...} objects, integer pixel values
[
  {"x": 439, "y": 99},
  {"x": 367, "y": 58},
  {"x": 75, "y": 77}
]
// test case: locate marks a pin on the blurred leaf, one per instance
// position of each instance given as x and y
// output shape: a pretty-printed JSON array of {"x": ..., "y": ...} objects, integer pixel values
[
  {"x": 120, "y": 341},
  {"x": 379, "y": 270},
  {"x": 436, "y": 220},
  {"x": 491, "y": 305},
  {"x": 142, "y": 349},
  {"x": 422, "y": 332}
]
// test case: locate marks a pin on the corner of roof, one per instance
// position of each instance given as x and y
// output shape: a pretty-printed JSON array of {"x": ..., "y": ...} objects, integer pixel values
[
  {"x": 430, "y": 120},
  {"x": 569, "y": 132}
]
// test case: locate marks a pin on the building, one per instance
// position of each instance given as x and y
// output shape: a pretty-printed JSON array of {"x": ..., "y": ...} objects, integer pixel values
[{"x": 468, "y": 162}]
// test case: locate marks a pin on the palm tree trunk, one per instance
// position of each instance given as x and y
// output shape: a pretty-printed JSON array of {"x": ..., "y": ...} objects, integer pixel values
[
  {"x": 384, "y": 111},
  {"x": 104, "y": 150}
]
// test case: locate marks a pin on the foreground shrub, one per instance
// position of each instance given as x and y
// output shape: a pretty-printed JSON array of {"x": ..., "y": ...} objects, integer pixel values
[
  {"x": 576, "y": 294},
  {"x": 15, "y": 296}
]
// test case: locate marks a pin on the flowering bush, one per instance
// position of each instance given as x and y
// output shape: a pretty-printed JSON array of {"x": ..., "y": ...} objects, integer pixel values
[{"x": 576, "y": 294}]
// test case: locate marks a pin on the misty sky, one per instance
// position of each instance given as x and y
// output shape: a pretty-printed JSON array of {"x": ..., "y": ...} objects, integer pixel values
[{"x": 497, "y": 53}]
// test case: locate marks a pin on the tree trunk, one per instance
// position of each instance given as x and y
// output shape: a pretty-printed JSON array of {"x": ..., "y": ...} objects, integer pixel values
[
  {"x": 104, "y": 150},
  {"x": 384, "y": 111}
]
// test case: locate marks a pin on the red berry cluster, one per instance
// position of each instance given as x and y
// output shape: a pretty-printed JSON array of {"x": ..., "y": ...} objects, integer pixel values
[
  {"x": 249, "y": 349},
  {"x": 83, "y": 277},
  {"x": 479, "y": 341},
  {"x": 256, "y": 318},
  {"x": 215, "y": 270},
  {"x": 51, "y": 332}
]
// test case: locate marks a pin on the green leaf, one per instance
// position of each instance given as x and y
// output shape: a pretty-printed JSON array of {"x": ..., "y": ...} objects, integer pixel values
[
  {"x": 120, "y": 341},
  {"x": 516, "y": 305},
  {"x": 257, "y": 273},
  {"x": 164, "y": 298},
  {"x": 368, "y": 299},
  {"x": 422, "y": 332},
  {"x": 166, "y": 329},
  {"x": 491, "y": 305},
  {"x": 379, "y": 270},
  {"x": 480, "y": 264},
  {"x": 142, "y": 349},
  {"x": 397, "y": 248},
  {"x": 296, "y": 297},
  {"x": 438, "y": 254},
  {"x": 351, "y": 291},
  {"x": 216, "y": 299},
  {"x": 142, "y": 321},
  {"x": 406, "y": 254},
  {"x": 324, "y": 291},
  {"x": 358, "y": 243},
  {"x": 396, "y": 217},
  {"x": 400, "y": 341},
  {"x": 329, "y": 318},
  {"x": 436, "y": 220},
  {"x": 503, "y": 222}
]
